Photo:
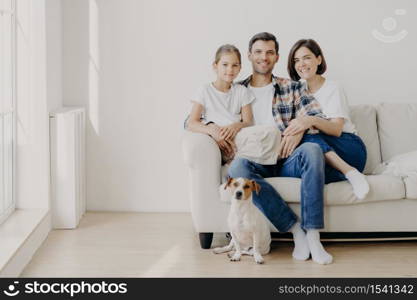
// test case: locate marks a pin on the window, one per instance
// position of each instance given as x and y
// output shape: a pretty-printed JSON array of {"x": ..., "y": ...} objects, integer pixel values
[{"x": 7, "y": 107}]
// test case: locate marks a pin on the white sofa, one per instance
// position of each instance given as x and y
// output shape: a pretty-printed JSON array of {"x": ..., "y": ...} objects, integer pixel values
[{"x": 391, "y": 205}]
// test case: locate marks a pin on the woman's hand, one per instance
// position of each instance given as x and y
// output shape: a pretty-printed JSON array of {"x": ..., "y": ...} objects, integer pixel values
[
  {"x": 299, "y": 125},
  {"x": 289, "y": 143},
  {"x": 229, "y": 132}
]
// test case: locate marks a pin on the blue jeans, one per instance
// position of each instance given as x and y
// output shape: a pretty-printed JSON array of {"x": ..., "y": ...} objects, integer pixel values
[
  {"x": 348, "y": 146},
  {"x": 307, "y": 163}
]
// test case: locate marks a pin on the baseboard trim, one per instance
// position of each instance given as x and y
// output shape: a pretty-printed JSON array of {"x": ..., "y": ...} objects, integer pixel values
[{"x": 354, "y": 236}]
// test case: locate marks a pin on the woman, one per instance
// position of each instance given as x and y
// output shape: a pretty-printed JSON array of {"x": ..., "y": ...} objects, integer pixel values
[{"x": 344, "y": 151}]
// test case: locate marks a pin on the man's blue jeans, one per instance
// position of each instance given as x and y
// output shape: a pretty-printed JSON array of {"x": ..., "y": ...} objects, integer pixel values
[{"x": 307, "y": 163}]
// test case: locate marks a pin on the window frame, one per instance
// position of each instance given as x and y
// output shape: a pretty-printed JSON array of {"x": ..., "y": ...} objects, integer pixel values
[{"x": 7, "y": 211}]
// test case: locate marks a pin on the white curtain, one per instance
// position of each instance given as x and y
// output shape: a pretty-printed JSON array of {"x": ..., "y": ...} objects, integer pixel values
[{"x": 32, "y": 172}]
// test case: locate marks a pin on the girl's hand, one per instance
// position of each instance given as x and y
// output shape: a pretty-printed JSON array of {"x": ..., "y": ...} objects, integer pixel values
[
  {"x": 215, "y": 132},
  {"x": 225, "y": 146},
  {"x": 229, "y": 132},
  {"x": 299, "y": 125},
  {"x": 228, "y": 148}
]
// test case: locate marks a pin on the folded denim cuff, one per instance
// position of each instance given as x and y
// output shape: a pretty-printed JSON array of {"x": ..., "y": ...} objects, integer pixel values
[
  {"x": 313, "y": 226},
  {"x": 289, "y": 226}
]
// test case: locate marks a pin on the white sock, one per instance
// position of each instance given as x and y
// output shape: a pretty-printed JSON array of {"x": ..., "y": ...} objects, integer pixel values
[
  {"x": 301, "y": 250},
  {"x": 318, "y": 254},
  {"x": 358, "y": 182}
]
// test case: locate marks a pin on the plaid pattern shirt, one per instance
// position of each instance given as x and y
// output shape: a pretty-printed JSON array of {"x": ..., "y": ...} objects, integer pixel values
[{"x": 290, "y": 101}]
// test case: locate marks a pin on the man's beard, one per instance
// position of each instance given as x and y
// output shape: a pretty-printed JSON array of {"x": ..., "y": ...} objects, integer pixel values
[{"x": 260, "y": 72}]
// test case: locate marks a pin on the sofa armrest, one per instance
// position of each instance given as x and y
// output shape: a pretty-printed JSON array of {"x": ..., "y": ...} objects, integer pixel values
[
  {"x": 203, "y": 158},
  {"x": 199, "y": 150}
]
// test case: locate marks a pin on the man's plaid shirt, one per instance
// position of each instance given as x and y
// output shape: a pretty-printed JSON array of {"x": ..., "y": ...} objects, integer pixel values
[{"x": 290, "y": 101}]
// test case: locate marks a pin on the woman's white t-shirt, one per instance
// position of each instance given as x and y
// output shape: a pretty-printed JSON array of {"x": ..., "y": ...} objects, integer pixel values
[
  {"x": 333, "y": 102},
  {"x": 223, "y": 108}
]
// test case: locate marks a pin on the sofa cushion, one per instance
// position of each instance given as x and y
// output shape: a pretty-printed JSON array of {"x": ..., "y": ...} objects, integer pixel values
[
  {"x": 404, "y": 166},
  {"x": 410, "y": 182},
  {"x": 364, "y": 118},
  {"x": 397, "y": 127},
  {"x": 382, "y": 187}
]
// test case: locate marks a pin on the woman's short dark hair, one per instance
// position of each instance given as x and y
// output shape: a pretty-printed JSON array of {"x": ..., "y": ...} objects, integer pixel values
[
  {"x": 264, "y": 36},
  {"x": 313, "y": 47}
]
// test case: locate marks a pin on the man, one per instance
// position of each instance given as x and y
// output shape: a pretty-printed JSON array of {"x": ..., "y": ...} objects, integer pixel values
[{"x": 278, "y": 101}]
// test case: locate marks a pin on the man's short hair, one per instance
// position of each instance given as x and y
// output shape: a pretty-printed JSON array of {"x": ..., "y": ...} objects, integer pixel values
[{"x": 264, "y": 36}]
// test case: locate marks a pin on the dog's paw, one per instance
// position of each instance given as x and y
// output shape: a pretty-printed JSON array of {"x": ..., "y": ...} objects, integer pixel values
[
  {"x": 258, "y": 258},
  {"x": 235, "y": 256},
  {"x": 218, "y": 250}
]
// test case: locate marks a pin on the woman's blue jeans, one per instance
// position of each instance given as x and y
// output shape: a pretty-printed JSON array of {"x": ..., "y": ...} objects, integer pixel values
[
  {"x": 348, "y": 146},
  {"x": 307, "y": 163}
]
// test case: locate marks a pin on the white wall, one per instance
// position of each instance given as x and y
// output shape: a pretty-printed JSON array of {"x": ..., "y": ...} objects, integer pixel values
[
  {"x": 134, "y": 63},
  {"x": 53, "y": 14}
]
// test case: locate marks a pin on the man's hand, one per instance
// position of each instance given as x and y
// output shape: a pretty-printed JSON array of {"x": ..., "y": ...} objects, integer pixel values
[
  {"x": 299, "y": 125},
  {"x": 229, "y": 132},
  {"x": 289, "y": 143}
]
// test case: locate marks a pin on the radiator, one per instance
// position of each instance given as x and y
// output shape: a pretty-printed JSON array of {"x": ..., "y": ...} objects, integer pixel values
[{"x": 67, "y": 148}]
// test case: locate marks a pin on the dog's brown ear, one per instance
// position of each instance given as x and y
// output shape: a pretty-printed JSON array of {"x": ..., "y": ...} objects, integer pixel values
[
  {"x": 255, "y": 187},
  {"x": 229, "y": 181}
]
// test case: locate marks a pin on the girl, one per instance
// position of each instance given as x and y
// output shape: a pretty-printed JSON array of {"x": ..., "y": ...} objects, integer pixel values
[
  {"x": 224, "y": 105},
  {"x": 343, "y": 149}
]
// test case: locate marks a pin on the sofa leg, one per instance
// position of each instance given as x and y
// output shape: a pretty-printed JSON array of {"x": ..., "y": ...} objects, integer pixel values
[{"x": 205, "y": 239}]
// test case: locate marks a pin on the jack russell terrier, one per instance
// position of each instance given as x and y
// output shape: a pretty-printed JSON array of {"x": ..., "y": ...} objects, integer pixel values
[{"x": 248, "y": 226}]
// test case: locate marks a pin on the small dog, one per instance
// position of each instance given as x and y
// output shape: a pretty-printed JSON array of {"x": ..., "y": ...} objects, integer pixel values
[{"x": 248, "y": 226}]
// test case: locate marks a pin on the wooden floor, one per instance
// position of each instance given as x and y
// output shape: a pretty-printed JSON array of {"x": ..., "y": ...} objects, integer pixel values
[{"x": 165, "y": 245}]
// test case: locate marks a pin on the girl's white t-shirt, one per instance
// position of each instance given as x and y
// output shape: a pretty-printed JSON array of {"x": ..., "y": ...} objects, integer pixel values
[
  {"x": 333, "y": 102},
  {"x": 262, "y": 105},
  {"x": 223, "y": 108}
]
